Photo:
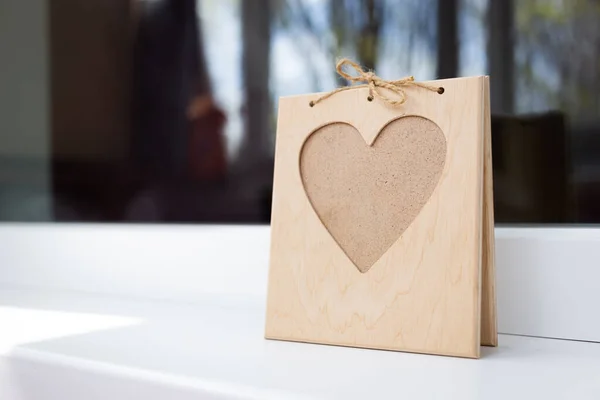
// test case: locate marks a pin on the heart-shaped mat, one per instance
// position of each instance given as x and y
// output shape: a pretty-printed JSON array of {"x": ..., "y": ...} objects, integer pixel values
[{"x": 366, "y": 196}]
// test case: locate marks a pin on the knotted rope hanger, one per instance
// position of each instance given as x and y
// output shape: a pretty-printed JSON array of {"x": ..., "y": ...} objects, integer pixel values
[{"x": 373, "y": 82}]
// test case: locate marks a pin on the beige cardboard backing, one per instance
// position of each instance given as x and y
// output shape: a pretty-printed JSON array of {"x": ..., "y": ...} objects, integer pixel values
[
  {"x": 424, "y": 293},
  {"x": 366, "y": 196}
]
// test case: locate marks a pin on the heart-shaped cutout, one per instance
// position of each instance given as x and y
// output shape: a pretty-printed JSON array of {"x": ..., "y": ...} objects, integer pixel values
[{"x": 367, "y": 196}]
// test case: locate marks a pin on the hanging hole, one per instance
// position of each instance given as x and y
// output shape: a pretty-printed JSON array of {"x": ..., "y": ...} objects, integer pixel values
[
  {"x": 440, "y": 90},
  {"x": 370, "y": 98},
  {"x": 311, "y": 103}
]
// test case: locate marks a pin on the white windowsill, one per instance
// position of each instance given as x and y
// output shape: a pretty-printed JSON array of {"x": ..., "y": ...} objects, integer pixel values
[
  {"x": 177, "y": 312},
  {"x": 60, "y": 345},
  {"x": 547, "y": 278}
]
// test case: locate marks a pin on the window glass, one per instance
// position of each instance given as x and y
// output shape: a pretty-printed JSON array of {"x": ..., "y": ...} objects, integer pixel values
[{"x": 165, "y": 110}]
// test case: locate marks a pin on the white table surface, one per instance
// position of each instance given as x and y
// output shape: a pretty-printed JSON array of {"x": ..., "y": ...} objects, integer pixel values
[{"x": 58, "y": 345}]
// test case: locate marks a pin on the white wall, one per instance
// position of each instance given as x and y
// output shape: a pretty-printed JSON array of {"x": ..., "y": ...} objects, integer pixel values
[{"x": 24, "y": 110}]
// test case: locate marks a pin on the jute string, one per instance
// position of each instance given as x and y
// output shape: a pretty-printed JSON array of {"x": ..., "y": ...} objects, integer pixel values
[{"x": 374, "y": 83}]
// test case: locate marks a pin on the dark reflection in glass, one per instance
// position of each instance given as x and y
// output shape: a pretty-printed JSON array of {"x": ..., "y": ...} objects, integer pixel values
[{"x": 165, "y": 110}]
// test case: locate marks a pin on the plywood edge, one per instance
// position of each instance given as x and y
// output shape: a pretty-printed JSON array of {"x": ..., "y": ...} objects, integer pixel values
[
  {"x": 489, "y": 329},
  {"x": 439, "y": 82},
  {"x": 479, "y": 138},
  {"x": 468, "y": 355}
]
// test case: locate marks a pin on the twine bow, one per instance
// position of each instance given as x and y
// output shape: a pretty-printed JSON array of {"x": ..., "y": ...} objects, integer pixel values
[{"x": 374, "y": 83}]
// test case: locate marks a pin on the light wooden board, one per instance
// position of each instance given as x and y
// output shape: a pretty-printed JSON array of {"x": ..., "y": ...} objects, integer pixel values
[
  {"x": 424, "y": 293},
  {"x": 489, "y": 329}
]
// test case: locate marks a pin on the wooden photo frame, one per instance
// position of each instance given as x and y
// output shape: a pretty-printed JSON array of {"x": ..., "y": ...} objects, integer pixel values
[{"x": 382, "y": 221}]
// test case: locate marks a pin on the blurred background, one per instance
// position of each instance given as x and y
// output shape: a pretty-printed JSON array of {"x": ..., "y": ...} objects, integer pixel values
[{"x": 165, "y": 110}]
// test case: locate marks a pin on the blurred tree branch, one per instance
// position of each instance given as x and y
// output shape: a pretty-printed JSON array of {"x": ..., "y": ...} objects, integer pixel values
[
  {"x": 563, "y": 39},
  {"x": 357, "y": 29}
]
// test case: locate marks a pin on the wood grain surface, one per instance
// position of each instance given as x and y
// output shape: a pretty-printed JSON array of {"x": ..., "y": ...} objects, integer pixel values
[{"x": 424, "y": 293}]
